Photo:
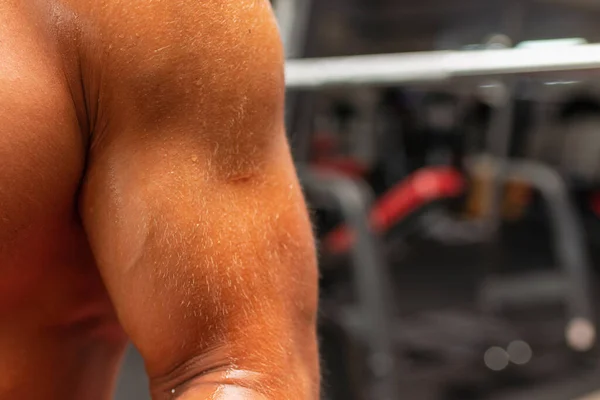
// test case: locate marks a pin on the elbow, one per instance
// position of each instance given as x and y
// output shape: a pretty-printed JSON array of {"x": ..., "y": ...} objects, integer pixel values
[
  {"x": 224, "y": 384},
  {"x": 231, "y": 383},
  {"x": 222, "y": 392}
]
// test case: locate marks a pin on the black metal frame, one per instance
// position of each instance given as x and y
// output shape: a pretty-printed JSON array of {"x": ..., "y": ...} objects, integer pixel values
[{"x": 371, "y": 280}]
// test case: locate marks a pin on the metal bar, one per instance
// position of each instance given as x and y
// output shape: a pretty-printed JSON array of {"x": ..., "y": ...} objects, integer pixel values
[
  {"x": 370, "y": 273},
  {"x": 437, "y": 66}
]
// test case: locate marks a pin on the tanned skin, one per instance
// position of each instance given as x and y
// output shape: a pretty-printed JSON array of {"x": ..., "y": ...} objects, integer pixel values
[{"x": 147, "y": 193}]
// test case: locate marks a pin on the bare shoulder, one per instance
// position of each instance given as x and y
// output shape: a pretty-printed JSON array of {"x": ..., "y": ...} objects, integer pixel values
[
  {"x": 149, "y": 45},
  {"x": 162, "y": 65},
  {"x": 156, "y": 31}
]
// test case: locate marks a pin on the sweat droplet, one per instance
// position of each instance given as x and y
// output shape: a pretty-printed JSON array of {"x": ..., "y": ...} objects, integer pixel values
[{"x": 194, "y": 158}]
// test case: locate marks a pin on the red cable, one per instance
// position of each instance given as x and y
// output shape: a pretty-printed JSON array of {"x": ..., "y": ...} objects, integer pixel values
[{"x": 421, "y": 188}]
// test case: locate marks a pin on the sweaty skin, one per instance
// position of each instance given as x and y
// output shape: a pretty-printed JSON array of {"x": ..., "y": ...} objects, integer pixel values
[{"x": 147, "y": 193}]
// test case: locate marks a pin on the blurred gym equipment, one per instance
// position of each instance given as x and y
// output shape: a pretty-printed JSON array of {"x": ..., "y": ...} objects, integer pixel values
[{"x": 462, "y": 340}]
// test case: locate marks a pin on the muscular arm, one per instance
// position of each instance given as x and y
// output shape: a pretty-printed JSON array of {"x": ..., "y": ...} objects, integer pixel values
[{"x": 192, "y": 205}]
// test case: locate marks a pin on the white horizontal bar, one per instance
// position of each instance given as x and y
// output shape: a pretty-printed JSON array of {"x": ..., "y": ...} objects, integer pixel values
[{"x": 436, "y": 66}]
